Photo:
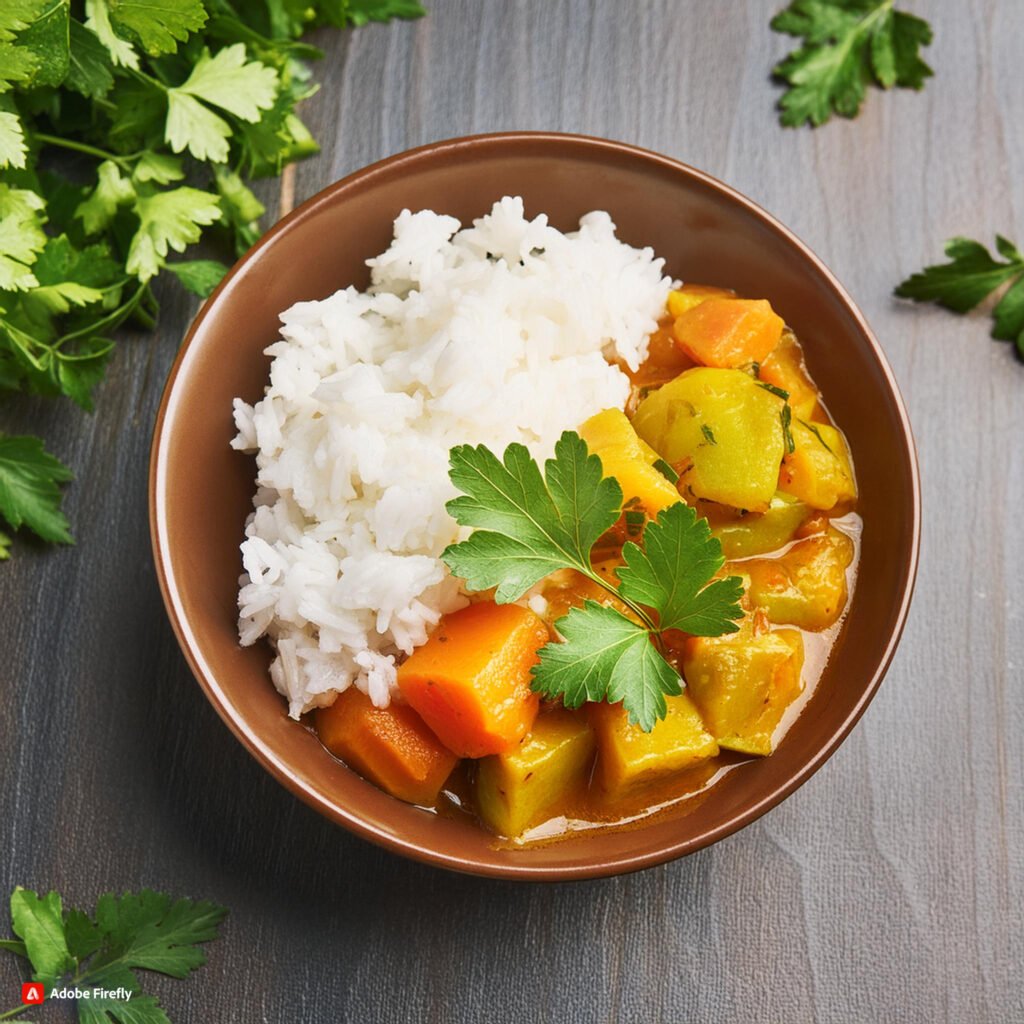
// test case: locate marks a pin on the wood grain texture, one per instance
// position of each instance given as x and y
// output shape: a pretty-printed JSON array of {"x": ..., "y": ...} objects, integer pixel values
[{"x": 889, "y": 888}]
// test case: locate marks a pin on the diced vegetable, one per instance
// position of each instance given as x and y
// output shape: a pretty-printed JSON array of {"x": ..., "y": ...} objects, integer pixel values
[
  {"x": 664, "y": 361},
  {"x": 630, "y": 460},
  {"x": 806, "y": 586},
  {"x": 818, "y": 471},
  {"x": 728, "y": 332},
  {"x": 391, "y": 747},
  {"x": 743, "y": 683},
  {"x": 689, "y": 295},
  {"x": 471, "y": 680},
  {"x": 721, "y": 431},
  {"x": 629, "y": 758},
  {"x": 785, "y": 368},
  {"x": 744, "y": 534},
  {"x": 515, "y": 789}
]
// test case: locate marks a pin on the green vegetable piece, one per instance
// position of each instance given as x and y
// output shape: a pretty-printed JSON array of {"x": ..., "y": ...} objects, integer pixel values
[
  {"x": 516, "y": 789},
  {"x": 969, "y": 278},
  {"x": 753, "y": 533},
  {"x": 741, "y": 469},
  {"x": 846, "y": 47}
]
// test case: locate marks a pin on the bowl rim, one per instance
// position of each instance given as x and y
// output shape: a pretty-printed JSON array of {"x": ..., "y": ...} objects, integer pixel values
[{"x": 282, "y": 771}]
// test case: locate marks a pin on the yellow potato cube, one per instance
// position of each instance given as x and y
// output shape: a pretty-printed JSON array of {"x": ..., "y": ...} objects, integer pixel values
[
  {"x": 629, "y": 758},
  {"x": 743, "y": 684},
  {"x": 818, "y": 471},
  {"x": 514, "y": 790},
  {"x": 806, "y": 586},
  {"x": 743, "y": 535},
  {"x": 722, "y": 431},
  {"x": 785, "y": 368},
  {"x": 690, "y": 295},
  {"x": 623, "y": 455}
]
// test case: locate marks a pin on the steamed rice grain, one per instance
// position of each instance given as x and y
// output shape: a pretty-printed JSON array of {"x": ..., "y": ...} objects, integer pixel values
[{"x": 491, "y": 334}]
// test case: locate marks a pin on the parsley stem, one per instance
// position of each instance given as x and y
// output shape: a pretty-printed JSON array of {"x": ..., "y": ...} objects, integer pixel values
[
  {"x": 111, "y": 320},
  {"x": 79, "y": 147},
  {"x": 637, "y": 610}
]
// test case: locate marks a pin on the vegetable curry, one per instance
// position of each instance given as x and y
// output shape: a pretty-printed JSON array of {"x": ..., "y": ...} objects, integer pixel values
[{"x": 724, "y": 420}]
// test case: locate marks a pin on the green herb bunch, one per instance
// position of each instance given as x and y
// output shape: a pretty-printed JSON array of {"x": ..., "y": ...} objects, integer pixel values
[
  {"x": 163, "y": 110},
  {"x": 99, "y": 955}
]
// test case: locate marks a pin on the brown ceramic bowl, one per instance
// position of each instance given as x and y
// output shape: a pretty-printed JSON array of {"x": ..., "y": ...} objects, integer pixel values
[{"x": 200, "y": 489}]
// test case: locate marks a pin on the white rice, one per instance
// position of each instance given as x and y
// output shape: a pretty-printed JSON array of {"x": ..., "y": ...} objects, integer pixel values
[{"x": 491, "y": 334}]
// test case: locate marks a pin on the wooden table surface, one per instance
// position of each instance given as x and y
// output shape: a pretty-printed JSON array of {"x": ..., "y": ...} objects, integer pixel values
[{"x": 889, "y": 888}]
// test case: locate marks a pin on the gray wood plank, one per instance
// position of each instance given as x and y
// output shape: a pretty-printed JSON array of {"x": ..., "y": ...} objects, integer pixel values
[{"x": 888, "y": 888}]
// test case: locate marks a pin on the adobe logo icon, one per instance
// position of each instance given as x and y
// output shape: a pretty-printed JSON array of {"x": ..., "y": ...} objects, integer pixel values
[{"x": 32, "y": 993}]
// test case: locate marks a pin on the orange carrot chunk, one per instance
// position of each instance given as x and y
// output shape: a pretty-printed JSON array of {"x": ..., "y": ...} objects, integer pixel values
[
  {"x": 392, "y": 746},
  {"x": 471, "y": 680},
  {"x": 727, "y": 333}
]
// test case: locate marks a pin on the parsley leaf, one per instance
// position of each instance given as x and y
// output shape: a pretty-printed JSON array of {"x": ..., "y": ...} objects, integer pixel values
[
  {"x": 969, "y": 278},
  {"x": 684, "y": 599},
  {"x": 172, "y": 219},
  {"x": 21, "y": 236},
  {"x": 607, "y": 656},
  {"x": 144, "y": 931},
  {"x": 528, "y": 526},
  {"x": 159, "y": 25},
  {"x": 199, "y": 276},
  {"x": 848, "y": 44},
  {"x": 29, "y": 488},
  {"x": 39, "y": 923}
]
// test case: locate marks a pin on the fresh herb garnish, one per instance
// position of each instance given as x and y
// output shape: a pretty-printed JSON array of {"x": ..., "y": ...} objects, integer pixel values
[
  {"x": 160, "y": 109},
  {"x": 528, "y": 525},
  {"x": 708, "y": 433},
  {"x": 969, "y": 278},
  {"x": 30, "y": 494},
  {"x": 774, "y": 389},
  {"x": 785, "y": 414},
  {"x": 666, "y": 471},
  {"x": 144, "y": 931},
  {"x": 847, "y": 45},
  {"x": 817, "y": 433},
  {"x": 786, "y": 417}
]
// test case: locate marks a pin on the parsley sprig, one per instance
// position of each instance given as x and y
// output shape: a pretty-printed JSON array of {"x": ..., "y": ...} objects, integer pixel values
[
  {"x": 528, "y": 525},
  {"x": 970, "y": 277},
  {"x": 847, "y": 45},
  {"x": 143, "y": 931},
  {"x": 128, "y": 133}
]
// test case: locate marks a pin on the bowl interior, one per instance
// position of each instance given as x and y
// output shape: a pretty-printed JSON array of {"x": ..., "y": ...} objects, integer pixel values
[{"x": 201, "y": 489}]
